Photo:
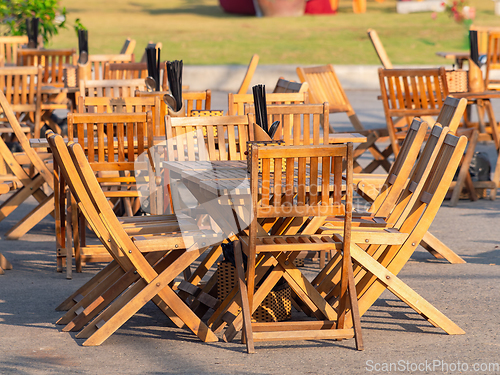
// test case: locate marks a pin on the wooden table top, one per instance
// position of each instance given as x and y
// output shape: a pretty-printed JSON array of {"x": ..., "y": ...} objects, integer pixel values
[
  {"x": 454, "y": 55},
  {"x": 220, "y": 177},
  {"x": 477, "y": 95}
]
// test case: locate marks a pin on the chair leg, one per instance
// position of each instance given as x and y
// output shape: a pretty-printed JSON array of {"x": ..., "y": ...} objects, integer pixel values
[
  {"x": 353, "y": 299},
  {"x": 464, "y": 168},
  {"x": 34, "y": 217},
  {"x": 439, "y": 249},
  {"x": 4, "y": 263},
  {"x": 247, "y": 316},
  {"x": 73, "y": 299},
  {"x": 141, "y": 292},
  {"x": 387, "y": 280}
]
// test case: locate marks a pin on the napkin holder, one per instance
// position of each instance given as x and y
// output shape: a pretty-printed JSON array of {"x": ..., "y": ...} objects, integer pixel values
[
  {"x": 476, "y": 81},
  {"x": 180, "y": 113}
]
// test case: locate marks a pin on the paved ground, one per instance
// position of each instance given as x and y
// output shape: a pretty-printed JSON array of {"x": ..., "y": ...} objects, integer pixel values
[{"x": 30, "y": 342}]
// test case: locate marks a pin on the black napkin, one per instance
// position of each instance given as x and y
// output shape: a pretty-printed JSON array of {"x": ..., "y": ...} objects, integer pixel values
[
  {"x": 83, "y": 46},
  {"x": 174, "y": 74},
  {"x": 32, "y": 31}
]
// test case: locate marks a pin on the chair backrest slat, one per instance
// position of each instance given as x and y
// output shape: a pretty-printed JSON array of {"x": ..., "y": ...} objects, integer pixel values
[
  {"x": 111, "y": 88},
  {"x": 9, "y": 45},
  {"x": 105, "y": 146},
  {"x": 208, "y": 138},
  {"x": 52, "y": 61},
  {"x": 305, "y": 193},
  {"x": 379, "y": 48}
]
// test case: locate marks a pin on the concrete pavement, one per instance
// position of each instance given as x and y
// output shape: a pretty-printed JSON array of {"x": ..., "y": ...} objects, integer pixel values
[{"x": 395, "y": 336}]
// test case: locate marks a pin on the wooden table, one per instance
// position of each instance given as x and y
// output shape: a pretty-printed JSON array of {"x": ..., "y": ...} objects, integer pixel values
[
  {"x": 459, "y": 57},
  {"x": 221, "y": 186}
]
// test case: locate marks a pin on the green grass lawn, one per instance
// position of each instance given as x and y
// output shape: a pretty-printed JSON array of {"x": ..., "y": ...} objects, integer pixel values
[{"x": 199, "y": 32}]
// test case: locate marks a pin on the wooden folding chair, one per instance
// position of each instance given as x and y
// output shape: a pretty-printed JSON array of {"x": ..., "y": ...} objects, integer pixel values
[
  {"x": 492, "y": 61},
  {"x": 379, "y": 48},
  {"x": 19, "y": 84},
  {"x": 84, "y": 253},
  {"x": 324, "y": 86},
  {"x": 9, "y": 45},
  {"x": 252, "y": 66},
  {"x": 222, "y": 138},
  {"x": 31, "y": 185},
  {"x": 125, "y": 105},
  {"x": 146, "y": 276},
  {"x": 112, "y": 141},
  {"x": 377, "y": 262},
  {"x": 289, "y": 86},
  {"x": 53, "y": 63},
  {"x": 237, "y": 102},
  {"x": 118, "y": 88},
  {"x": 423, "y": 92},
  {"x": 305, "y": 196},
  {"x": 384, "y": 196},
  {"x": 407, "y": 93},
  {"x": 94, "y": 68}
]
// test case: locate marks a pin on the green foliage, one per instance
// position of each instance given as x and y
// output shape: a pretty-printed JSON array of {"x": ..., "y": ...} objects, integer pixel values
[
  {"x": 14, "y": 13},
  {"x": 78, "y": 26}
]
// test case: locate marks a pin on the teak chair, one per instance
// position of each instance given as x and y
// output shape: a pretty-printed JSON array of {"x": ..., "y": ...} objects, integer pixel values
[
  {"x": 379, "y": 48},
  {"x": 9, "y": 45},
  {"x": 218, "y": 138},
  {"x": 118, "y": 88},
  {"x": 493, "y": 60},
  {"x": 324, "y": 86},
  {"x": 53, "y": 63},
  {"x": 31, "y": 185},
  {"x": 379, "y": 262},
  {"x": 112, "y": 142},
  {"x": 273, "y": 197},
  {"x": 19, "y": 84},
  {"x": 94, "y": 68},
  {"x": 382, "y": 263},
  {"x": 125, "y": 105},
  {"x": 407, "y": 93},
  {"x": 237, "y": 102},
  {"x": 223, "y": 136},
  {"x": 252, "y": 66},
  {"x": 384, "y": 197},
  {"x": 83, "y": 253},
  {"x": 148, "y": 275}
]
